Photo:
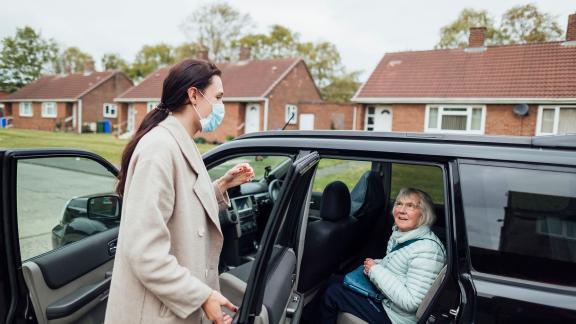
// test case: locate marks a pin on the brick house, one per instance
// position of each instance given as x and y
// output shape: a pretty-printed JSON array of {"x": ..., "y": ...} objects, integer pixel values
[
  {"x": 258, "y": 95},
  {"x": 522, "y": 90},
  {"x": 67, "y": 101}
]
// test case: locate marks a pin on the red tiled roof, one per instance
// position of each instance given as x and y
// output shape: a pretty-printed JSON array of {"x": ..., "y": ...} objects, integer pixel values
[
  {"x": 244, "y": 79},
  {"x": 68, "y": 87},
  {"x": 544, "y": 70}
]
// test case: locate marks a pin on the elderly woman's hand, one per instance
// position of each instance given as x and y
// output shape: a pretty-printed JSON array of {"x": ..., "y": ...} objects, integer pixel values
[
  {"x": 368, "y": 263},
  {"x": 239, "y": 174}
]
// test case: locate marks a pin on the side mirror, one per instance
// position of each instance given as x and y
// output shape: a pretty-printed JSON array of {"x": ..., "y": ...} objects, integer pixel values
[{"x": 103, "y": 207}]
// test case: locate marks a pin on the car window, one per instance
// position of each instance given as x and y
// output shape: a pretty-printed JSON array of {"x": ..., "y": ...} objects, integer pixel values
[
  {"x": 424, "y": 177},
  {"x": 521, "y": 222},
  {"x": 347, "y": 171},
  {"x": 258, "y": 162},
  {"x": 54, "y": 198}
]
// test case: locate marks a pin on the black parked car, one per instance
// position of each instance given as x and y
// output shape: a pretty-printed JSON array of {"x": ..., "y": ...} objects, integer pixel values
[{"x": 506, "y": 212}]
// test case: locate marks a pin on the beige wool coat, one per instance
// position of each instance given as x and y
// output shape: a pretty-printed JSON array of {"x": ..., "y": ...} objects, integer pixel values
[{"x": 166, "y": 263}]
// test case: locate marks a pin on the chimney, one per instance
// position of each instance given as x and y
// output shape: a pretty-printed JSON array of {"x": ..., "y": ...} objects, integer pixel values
[
  {"x": 571, "y": 29},
  {"x": 203, "y": 53},
  {"x": 477, "y": 37},
  {"x": 88, "y": 67},
  {"x": 245, "y": 53}
]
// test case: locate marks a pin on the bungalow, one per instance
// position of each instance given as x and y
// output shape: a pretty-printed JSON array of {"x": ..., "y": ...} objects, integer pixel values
[
  {"x": 67, "y": 102},
  {"x": 523, "y": 89},
  {"x": 258, "y": 95}
]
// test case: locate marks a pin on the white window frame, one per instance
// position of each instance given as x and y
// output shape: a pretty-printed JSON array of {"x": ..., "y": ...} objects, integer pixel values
[
  {"x": 22, "y": 108},
  {"x": 287, "y": 114},
  {"x": 151, "y": 105},
  {"x": 556, "y": 118},
  {"x": 45, "y": 113},
  {"x": 108, "y": 114},
  {"x": 468, "y": 115}
]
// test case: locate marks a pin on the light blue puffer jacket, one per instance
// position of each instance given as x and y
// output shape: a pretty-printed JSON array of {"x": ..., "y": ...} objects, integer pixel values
[{"x": 406, "y": 275}]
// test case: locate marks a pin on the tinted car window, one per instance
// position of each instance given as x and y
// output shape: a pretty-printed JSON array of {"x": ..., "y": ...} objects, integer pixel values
[
  {"x": 521, "y": 222},
  {"x": 61, "y": 200}
]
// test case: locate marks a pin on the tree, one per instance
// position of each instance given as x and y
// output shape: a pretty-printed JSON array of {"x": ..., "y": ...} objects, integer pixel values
[
  {"x": 73, "y": 60},
  {"x": 341, "y": 87},
  {"x": 456, "y": 34},
  {"x": 280, "y": 42},
  {"x": 216, "y": 27},
  {"x": 525, "y": 24},
  {"x": 520, "y": 24},
  {"x": 186, "y": 50},
  {"x": 150, "y": 58},
  {"x": 24, "y": 57},
  {"x": 113, "y": 61}
]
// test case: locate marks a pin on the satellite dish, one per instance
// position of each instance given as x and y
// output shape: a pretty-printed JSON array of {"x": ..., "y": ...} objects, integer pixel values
[{"x": 521, "y": 109}]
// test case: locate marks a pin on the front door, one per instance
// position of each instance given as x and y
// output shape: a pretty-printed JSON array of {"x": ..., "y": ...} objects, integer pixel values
[
  {"x": 131, "y": 118},
  {"x": 378, "y": 119},
  {"x": 252, "y": 121},
  {"x": 60, "y": 219},
  {"x": 307, "y": 122}
]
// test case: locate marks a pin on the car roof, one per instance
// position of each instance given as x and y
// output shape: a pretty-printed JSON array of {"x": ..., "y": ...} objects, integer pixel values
[
  {"x": 551, "y": 141},
  {"x": 551, "y": 150}
]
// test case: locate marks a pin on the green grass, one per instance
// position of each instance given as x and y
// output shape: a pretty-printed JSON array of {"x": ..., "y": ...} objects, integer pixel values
[{"x": 107, "y": 146}]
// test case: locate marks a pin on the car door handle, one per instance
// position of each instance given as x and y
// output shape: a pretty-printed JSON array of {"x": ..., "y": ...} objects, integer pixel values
[{"x": 112, "y": 247}]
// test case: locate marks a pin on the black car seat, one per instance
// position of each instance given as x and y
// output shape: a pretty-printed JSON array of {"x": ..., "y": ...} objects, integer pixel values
[
  {"x": 326, "y": 238},
  {"x": 368, "y": 200}
]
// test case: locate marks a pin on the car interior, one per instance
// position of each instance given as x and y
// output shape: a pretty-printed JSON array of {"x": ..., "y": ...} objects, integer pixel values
[{"x": 346, "y": 222}]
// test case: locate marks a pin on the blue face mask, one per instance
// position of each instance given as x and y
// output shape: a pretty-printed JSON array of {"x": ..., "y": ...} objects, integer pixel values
[{"x": 212, "y": 121}]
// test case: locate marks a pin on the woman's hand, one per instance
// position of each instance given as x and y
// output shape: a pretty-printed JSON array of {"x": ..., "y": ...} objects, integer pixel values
[
  {"x": 368, "y": 263},
  {"x": 239, "y": 174},
  {"x": 213, "y": 308}
]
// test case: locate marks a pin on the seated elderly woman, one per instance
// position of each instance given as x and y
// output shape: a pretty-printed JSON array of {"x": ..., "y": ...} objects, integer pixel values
[{"x": 414, "y": 257}]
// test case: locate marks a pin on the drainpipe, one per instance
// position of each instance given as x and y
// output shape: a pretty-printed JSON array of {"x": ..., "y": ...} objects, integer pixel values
[
  {"x": 265, "y": 114},
  {"x": 80, "y": 116},
  {"x": 354, "y": 118}
]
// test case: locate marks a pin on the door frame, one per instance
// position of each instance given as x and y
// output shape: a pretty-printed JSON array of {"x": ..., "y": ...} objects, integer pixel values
[
  {"x": 20, "y": 306},
  {"x": 253, "y": 298}
]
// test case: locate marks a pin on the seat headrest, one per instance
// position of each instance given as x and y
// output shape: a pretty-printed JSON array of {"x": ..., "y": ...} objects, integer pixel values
[
  {"x": 368, "y": 193},
  {"x": 335, "y": 202}
]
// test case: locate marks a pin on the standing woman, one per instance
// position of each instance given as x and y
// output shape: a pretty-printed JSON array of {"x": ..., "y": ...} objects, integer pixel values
[{"x": 166, "y": 265}]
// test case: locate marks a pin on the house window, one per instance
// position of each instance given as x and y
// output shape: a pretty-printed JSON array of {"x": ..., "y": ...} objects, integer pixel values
[
  {"x": 26, "y": 109},
  {"x": 291, "y": 110},
  {"x": 556, "y": 120},
  {"x": 49, "y": 110},
  {"x": 151, "y": 105},
  {"x": 110, "y": 110},
  {"x": 455, "y": 119}
]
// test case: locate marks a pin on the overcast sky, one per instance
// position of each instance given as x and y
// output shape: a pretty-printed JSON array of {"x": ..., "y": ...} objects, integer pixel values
[{"x": 362, "y": 30}]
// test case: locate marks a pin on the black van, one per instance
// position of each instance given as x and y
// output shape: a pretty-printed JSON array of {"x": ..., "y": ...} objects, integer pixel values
[{"x": 505, "y": 206}]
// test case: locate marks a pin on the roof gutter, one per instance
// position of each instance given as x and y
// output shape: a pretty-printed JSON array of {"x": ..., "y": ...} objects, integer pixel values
[
  {"x": 225, "y": 99},
  {"x": 435, "y": 100},
  {"x": 39, "y": 100}
]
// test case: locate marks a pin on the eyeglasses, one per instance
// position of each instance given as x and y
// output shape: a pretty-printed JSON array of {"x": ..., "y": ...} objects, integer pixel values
[{"x": 409, "y": 206}]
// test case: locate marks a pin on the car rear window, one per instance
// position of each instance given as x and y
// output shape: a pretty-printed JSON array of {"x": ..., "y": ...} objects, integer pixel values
[{"x": 521, "y": 222}]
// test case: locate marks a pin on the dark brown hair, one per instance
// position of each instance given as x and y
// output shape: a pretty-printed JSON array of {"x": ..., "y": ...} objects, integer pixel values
[{"x": 182, "y": 76}]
